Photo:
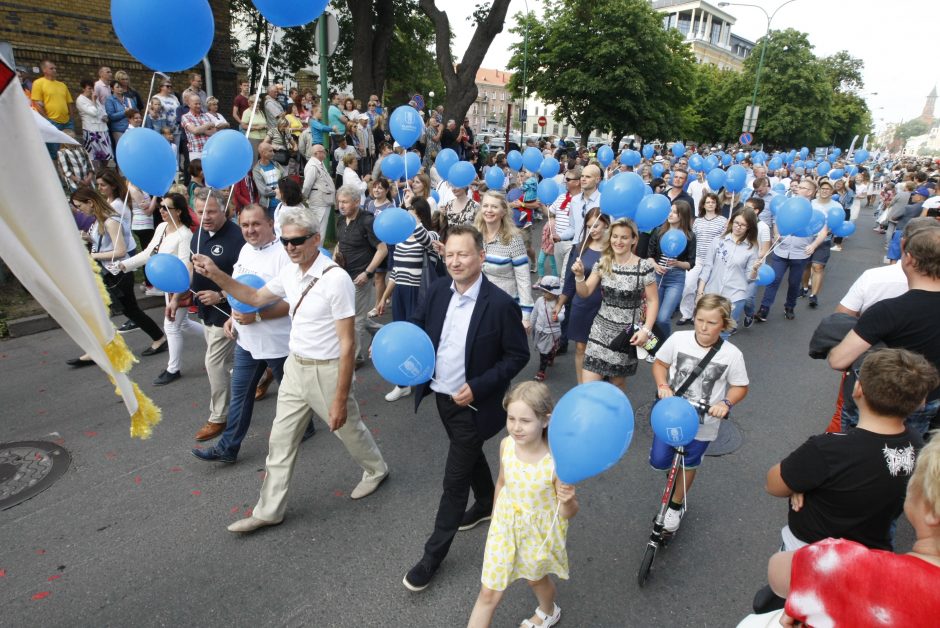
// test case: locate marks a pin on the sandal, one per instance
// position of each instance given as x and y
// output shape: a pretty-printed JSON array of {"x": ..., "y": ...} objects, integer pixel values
[{"x": 547, "y": 620}]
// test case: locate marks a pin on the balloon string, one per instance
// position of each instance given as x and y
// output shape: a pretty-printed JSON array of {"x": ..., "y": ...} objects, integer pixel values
[
  {"x": 202, "y": 216},
  {"x": 167, "y": 296},
  {"x": 775, "y": 244},
  {"x": 584, "y": 244},
  {"x": 452, "y": 395},
  {"x": 121, "y": 234},
  {"x": 550, "y": 529},
  {"x": 264, "y": 73}
]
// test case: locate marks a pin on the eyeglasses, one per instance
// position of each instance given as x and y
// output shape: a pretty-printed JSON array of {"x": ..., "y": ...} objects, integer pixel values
[
  {"x": 166, "y": 207},
  {"x": 739, "y": 225},
  {"x": 572, "y": 178},
  {"x": 298, "y": 241}
]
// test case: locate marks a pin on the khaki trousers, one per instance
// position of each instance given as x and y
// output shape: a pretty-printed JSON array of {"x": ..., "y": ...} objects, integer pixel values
[
  {"x": 220, "y": 357},
  {"x": 310, "y": 386}
]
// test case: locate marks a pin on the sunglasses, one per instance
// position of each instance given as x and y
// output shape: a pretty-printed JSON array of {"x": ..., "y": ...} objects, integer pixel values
[
  {"x": 298, "y": 241},
  {"x": 572, "y": 178}
]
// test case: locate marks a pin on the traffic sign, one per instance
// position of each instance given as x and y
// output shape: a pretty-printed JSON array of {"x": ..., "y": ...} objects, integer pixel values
[
  {"x": 746, "y": 138},
  {"x": 523, "y": 114},
  {"x": 419, "y": 100},
  {"x": 750, "y": 119},
  {"x": 543, "y": 121},
  {"x": 332, "y": 35}
]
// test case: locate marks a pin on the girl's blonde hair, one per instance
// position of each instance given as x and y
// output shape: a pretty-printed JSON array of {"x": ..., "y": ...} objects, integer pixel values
[
  {"x": 506, "y": 227},
  {"x": 606, "y": 262},
  {"x": 535, "y": 395},
  {"x": 925, "y": 481},
  {"x": 710, "y": 302}
]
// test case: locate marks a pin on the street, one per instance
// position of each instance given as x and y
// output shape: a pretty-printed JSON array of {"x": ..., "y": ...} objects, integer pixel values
[{"x": 134, "y": 533}]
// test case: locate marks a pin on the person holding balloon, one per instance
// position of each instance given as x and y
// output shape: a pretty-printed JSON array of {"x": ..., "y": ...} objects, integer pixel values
[
  {"x": 629, "y": 304},
  {"x": 527, "y": 534},
  {"x": 707, "y": 370},
  {"x": 671, "y": 250},
  {"x": 708, "y": 225},
  {"x": 731, "y": 263},
  {"x": 814, "y": 273}
]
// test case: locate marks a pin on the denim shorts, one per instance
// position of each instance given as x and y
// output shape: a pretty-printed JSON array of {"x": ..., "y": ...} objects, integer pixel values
[
  {"x": 661, "y": 454},
  {"x": 821, "y": 255}
]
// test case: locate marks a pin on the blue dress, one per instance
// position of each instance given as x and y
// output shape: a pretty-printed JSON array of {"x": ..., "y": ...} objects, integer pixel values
[{"x": 583, "y": 311}]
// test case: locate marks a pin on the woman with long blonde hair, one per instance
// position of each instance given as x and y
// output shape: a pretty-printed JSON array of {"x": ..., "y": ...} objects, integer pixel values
[{"x": 507, "y": 263}]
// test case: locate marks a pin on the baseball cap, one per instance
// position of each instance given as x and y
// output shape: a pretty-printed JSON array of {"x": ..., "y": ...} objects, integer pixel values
[{"x": 923, "y": 191}]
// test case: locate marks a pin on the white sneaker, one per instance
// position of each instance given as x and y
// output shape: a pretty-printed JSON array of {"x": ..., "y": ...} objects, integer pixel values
[
  {"x": 153, "y": 292},
  {"x": 673, "y": 519},
  {"x": 650, "y": 358},
  {"x": 397, "y": 393}
]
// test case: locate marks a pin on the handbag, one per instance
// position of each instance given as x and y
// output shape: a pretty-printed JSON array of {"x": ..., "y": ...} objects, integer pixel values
[
  {"x": 281, "y": 156},
  {"x": 430, "y": 272},
  {"x": 621, "y": 342}
]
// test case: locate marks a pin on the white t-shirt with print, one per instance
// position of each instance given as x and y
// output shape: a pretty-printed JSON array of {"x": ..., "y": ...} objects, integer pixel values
[{"x": 682, "y": 353}]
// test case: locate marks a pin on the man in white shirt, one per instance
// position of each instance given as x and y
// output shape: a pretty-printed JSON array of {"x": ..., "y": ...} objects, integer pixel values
[
  {"x": 318, "y": 373},
  {"x": 586, "y": 200}
]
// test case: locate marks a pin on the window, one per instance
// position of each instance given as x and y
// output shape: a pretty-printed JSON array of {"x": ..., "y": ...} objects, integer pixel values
[
  {"x": 716, "y": 32},
  {"x": 503, "y": 96},
  {"x": 555, "y": 129}
]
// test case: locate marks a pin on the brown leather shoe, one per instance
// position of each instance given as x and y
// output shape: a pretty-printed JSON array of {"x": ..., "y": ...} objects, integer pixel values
[
  {"x": 210, "y": 431},
  {"x": 262, "y": 390}
]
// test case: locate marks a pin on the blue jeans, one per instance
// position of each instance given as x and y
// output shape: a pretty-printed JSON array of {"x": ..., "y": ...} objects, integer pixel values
[
  {"x": 918, "y": 421},
  {"x": 751, "y": 298},
  {"x": 780, "y": 266},
  {"x": 246, "y": 373},
  {"x": 736, "y": 308},
  {"x": 670, "y": 293},
  {"x": 54, "y": 148}
]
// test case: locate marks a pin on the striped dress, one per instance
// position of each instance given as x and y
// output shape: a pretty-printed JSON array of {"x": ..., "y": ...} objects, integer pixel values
[
  {"x": 705, "y": 231},
  {"x": 507, "y": 266},
  {"x": 408, "y": 257}
]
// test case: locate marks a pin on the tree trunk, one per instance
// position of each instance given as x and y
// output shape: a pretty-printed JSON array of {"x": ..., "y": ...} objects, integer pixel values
[
  {"x": 461, "y": 80},
  {"x": 370, "y": 45}
]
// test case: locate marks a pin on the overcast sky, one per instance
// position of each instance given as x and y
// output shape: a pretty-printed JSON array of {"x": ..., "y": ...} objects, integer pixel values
[{"x": 895, "y": 40}]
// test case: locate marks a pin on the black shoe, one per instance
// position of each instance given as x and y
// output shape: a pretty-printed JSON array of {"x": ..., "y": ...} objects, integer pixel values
[
  {"x": 311, "y": 430},
  {"x": 474, "y": 517},
  {"x": 213, "y": 455},
  {"x": 788, "y": 312},
  {"x": 813, "y": 301},
  {"x": 766, "y": 601},
  {"x": 748, "y": 321},
  {"x": 562, "y": 350},
  {"x": 419, "y": 577},
  {"x": 128, "y": 326},
  {"x": 761, "y": 315},
  {"x": 79, "y": 362},
  {"x": 160, "y": 348},
  {"x": 804, "y": 292},
  {"x": 166, "y": 377},
  {"x": 683, "y": 321}
]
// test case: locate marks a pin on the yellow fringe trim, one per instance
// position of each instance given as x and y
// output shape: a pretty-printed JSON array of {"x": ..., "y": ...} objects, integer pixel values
[
  {"x": 96, "y": 273},
  {"x": 147, "y": 415},
  {"x": 119, "y": 354}
]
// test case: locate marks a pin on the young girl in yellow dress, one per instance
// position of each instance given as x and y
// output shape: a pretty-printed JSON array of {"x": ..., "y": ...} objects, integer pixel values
[{"x": 530, "y": 519}]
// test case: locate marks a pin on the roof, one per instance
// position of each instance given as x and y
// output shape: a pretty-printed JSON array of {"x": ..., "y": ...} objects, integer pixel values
[{"x": 493, "y": 77}]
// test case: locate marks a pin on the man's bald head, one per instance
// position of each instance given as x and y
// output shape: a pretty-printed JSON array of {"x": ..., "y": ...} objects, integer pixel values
[{"x": 590, "y": 179}]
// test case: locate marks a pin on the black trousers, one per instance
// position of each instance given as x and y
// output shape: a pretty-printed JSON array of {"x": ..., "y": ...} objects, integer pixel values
[
  {"x": 466, "y": 469},
  {"x": 121, "y": 289}
]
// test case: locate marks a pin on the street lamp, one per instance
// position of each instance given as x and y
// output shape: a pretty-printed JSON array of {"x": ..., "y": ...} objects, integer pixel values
[
  {"x": 763, "y": 48},
  {"x": 431, "y": 101},
  {"x": 525, "y": 62}
]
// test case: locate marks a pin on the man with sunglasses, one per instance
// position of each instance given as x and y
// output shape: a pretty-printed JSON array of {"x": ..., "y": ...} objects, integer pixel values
[{"x": 318, "y": 373}]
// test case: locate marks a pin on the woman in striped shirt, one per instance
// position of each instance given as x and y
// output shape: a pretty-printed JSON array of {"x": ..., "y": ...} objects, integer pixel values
[
  {"x": 709, "y": 225},
  {"x": 507, "y": 263},
  {"x": 408, "y": 268}
]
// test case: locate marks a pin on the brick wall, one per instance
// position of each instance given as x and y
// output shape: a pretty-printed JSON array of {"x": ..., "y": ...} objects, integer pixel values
[{"x": 77, "y": 35}]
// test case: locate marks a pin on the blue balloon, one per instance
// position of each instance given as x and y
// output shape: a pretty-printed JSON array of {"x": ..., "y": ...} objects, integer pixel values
[
  {"x": 495, "y": 178},
  {"x": 861, "y": 156},
  {"x": 737, "y": 178},
  {"x": 817, "y": 223},
  {"x": 548, "y": 191},
  {"x": 674, "y": 421},
  {"x": 435, "y": 196},
  {"x": 461, "y": 174},
  {"x": 513, "y": 160},
  {"x": 678, "y": 149},
  {"x": 630, "y": 158},
  {"x": 394, "y": 225},
  {"x": 809, "y": 164},
  {"x": 621, "y": 194},
  {"x": 798, "y": 164},
  {"x": 167, "y": 272},
  {"x": 182, "y": 47},
  {"x": 836, "y": 152},
  {"x": 550, "y": 168},
  {"x": 739, "y": 157},
  {"x": 252, "y": 281},
  {"x": 516, "y": 193},
  {"x": 711, "y": 162},
  {"x": 286, "y": 13},
  {"x": 716, "y": 179},
  {"x": 765, "y": 275},
  {"x": 226, "y": 158},
  {"x": 657, "y": 170},
  {"x": 836, "y": 173},
  {"x": 647, "y": 191},
  {"x": 648, "y": 151},
  {"x": 823, "y": 168},
  {"x": 325, "y": 252},
  {"x": 405, "y": 124},
  {"x": 403, "y": 353},
  {"x": 776, "y": 163},
  {"x": 726, "y": 160},
  {"x": 835, "y": 197},
  {"x": 148, "y": 160},
  {"x": 804, "y": 152},
  {"x": 532, "y": 159},
  {"x": 605, "y": 155},
  {"x": 696, "y": 162},
  {"x": 673, "y": 242},
  {"x": 444, "y": 160},
  {"x": 412, "y": 164},
  {"x": 794, "y": 216},
  {"x": 835, "y": 216},
  {"x": 590, "y": 430},
  {"x": 844, "y": 230},
  {"x": 392, "y": 166},
  {"x": 776, "y": 203},
  {"x": 652, "y": 211},
  {"x": 779, "y": 187},
  {"x": 851, "y": 170}
]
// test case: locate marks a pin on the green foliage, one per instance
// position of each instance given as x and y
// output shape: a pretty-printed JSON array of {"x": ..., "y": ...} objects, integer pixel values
[
  {"x": 911, "y": 128},
  {"x": 845, "y": 71},
  {"x": 710, "y": 118},
  {"x": 606, "y": 64},
  {"x": 850, "y": 117}
]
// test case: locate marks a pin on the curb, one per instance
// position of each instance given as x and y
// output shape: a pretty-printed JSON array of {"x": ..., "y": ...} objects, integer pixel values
[{"x": 38, "y": 323}]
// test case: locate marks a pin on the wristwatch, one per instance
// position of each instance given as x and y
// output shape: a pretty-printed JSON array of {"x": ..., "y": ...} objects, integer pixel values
[
  {"x": 370, "y": 273},
  {"x": 258, "y": 316},
  {"x": 727, "y": 403}
]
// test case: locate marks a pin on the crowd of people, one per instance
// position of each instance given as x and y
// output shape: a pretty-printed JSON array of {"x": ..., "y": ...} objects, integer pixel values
[{"x": 469, "y": 276}]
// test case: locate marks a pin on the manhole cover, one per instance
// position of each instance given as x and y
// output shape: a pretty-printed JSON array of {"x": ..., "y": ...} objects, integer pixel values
[
  {"x": 729, "y": 438},
  {"x": 27, "y": 468}
]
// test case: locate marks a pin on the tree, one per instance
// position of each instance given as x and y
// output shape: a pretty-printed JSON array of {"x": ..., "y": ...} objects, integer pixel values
[
  {"x": 608, "y": 65},
  {"x": 460, "y": 79},
  {"x": 845, "y": 71},
  {"x": 373, "y": 25},
  {"x": 911, "y": 128},
  {"x": 850, "y": 113},
  {"x": 713, "y": 96}
]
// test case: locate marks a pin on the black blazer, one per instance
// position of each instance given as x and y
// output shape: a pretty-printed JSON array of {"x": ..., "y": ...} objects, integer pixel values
[{"x": 497, "y": 348}]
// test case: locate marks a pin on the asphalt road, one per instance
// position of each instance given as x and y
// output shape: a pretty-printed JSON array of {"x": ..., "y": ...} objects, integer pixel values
[{"x": 134, "y": 534}]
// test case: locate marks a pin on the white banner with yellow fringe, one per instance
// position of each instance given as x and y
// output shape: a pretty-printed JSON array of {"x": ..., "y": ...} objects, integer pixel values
[{"x": 42, "y": 247}]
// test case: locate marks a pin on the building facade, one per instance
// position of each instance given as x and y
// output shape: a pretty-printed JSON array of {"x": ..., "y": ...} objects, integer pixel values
[{"x": 707, "y": 30}]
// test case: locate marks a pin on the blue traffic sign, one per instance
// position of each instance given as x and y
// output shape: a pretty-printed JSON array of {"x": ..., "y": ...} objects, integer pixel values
[
  {"x": 523, "y": 114},
  {"x": 746, "y": 138}
]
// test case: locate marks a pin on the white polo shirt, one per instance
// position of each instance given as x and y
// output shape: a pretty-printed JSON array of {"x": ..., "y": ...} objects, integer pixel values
[
  {"x": 313, "y": 331},
  {"x": 269, "y": 338}
]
